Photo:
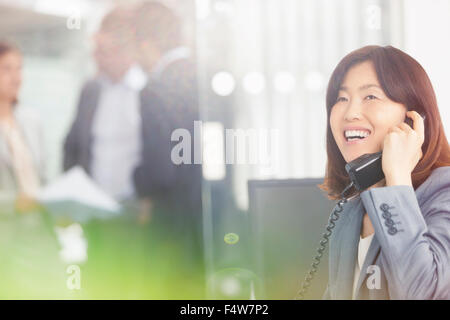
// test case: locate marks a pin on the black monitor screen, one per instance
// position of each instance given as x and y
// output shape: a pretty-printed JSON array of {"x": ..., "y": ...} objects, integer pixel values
[{"x": 288, "y": 218}]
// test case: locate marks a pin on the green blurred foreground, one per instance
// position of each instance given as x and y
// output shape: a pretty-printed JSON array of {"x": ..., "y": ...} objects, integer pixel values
[{"x": 125, "y": 260}]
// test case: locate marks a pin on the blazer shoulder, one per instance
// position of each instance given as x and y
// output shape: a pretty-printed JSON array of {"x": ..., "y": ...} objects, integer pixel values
[
  {"x": 89, "y": 94},
  {"x": 28, "y": 118},
  {"x": 91, "y": 84},
  {"x": 91, "y": 88},
  {"x": 438, "y": 183}
]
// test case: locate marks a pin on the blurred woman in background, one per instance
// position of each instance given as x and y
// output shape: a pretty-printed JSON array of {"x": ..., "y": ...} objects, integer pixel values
[{"x": 21, "y": 143}]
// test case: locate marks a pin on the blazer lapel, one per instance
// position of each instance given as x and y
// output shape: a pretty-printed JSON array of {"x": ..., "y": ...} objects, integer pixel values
[{"x": 343, "y": 250}]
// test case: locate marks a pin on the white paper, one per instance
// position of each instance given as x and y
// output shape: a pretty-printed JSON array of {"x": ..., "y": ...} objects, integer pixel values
[{"x": 76, "y": 186}]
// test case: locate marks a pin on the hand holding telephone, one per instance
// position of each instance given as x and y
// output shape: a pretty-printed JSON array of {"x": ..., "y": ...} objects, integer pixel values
[{"x": 364, "y": 172}]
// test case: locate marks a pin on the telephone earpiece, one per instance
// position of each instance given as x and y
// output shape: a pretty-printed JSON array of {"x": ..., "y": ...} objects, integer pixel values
[{"x": 409, "y": 121}]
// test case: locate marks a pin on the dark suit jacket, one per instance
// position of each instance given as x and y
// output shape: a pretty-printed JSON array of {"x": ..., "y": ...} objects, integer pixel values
[
  {"x": 77, "y": 146},
  {"x": 167, "y": 103}
]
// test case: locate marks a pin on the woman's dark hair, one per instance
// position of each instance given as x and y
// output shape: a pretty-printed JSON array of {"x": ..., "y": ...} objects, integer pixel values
[
  {"x": 5, "y": 48},
  {"x": 404, "y": 81}
]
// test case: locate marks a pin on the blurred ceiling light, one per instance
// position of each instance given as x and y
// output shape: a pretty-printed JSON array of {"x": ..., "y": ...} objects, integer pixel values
[
  {"x": 314, "y": 81},
  {"x": 284, "y": 82},
  {"x": 223, "y": 83},
  {"x": 373, "y": 17},
  {"x": 254, "y": 82},
  {"x": 224, "y": 7},
  {"x": 213, "y": 151},
  {"x": 202, "y": 8},
  {"x": 55, "y": 8}
]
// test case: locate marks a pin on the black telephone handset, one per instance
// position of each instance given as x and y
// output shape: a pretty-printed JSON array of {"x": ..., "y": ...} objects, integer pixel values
[{"x": 364, "y": 172}]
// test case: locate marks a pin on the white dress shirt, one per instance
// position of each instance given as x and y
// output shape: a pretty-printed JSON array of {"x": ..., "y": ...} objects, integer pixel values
[
  {"x": 363, "y": 247},
  {"x": 116, "y": 132}
]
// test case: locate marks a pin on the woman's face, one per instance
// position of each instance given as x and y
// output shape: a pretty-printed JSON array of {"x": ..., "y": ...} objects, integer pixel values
[
  {"x": 363, "y": 114},
  {"x": 10, "y": 75}
]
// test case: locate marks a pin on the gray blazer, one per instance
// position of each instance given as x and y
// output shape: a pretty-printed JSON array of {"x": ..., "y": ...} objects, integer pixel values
[
  {"x": 410, "y": 249},
  {"x": 33, "y": 135}
]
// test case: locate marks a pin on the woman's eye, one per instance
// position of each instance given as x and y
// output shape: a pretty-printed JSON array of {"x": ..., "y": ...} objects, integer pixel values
[
  {"x": 371, "y": 97},
  {"x": 341, "y": 99}
]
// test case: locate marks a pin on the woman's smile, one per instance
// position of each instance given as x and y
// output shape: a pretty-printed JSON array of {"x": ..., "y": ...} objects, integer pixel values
[{"x": 355, "y": 135}]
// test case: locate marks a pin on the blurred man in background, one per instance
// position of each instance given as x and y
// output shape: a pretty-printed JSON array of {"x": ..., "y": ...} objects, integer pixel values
[
  {"x": 121, "y": 136},
  {"x": 106, "y": 137},
  {"x": 106, "y": 141},
  {"x": 168, "y": 102}
]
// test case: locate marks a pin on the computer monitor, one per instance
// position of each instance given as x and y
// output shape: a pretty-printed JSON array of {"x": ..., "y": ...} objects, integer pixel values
[{"x": 287, "y": 219}]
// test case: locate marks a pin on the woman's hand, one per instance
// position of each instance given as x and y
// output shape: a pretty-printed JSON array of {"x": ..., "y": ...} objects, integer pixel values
[
  {"x": 26, "y": 204},
  {"x": 402, "y": 150}
]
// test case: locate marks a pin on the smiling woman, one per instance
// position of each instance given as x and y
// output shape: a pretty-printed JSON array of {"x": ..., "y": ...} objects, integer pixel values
[
  {"x": 363, "y": 114},
  {"x": 370, "y": 91},
  {"x": 398, "y": 229}
]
